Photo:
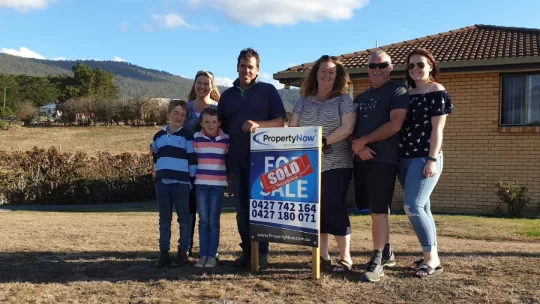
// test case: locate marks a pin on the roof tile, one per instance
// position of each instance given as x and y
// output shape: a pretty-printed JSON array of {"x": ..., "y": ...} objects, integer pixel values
[{"x": 469, "y": 43}]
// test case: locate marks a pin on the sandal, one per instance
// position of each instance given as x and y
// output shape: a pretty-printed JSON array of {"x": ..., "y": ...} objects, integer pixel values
[
  {"x": 343, "y": 266},
  {"x": 323, "y": 262},
  {"x": 426, "y": 271},
  {"x": 416, "y": 264}
]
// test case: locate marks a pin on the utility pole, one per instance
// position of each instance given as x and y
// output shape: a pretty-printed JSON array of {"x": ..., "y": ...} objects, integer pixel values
[{"x": 5, "y": 90}]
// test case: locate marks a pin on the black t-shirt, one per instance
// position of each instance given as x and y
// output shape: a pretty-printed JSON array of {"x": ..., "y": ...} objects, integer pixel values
[
  {"x": 414, "y": 139},
  {"x": 373, "y": 109}
]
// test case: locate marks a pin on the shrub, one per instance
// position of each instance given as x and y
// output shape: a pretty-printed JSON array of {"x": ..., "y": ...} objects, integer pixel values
[
  {"x": 50, "y": 177},
  {"x": 4, "y": 125},
  {"x": 26, "y": 111},
  {"x": 513, "y": 201}
]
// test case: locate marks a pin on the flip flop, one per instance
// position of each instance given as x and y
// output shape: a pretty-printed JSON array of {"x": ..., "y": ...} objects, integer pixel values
[
  {"x": 416, "y": 264},
  {"x": 343, "y": 266},
  {"x": 426, "y": 271}
]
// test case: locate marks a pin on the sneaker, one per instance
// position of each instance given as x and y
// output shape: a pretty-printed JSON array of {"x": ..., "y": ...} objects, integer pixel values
[
  {"x": 374, "y": 274},
  {"x": 210, "y": 262},
  {"x": 385, "y": 262},
  {"x": 181, "y": 260},
  {"x": 217, "y": 257},
  {"x": 163, "y": 259},
  {"x": 201, "y": 262},
  {"x": 242, "y": 261},
  {"x": 389, "y": 261}
]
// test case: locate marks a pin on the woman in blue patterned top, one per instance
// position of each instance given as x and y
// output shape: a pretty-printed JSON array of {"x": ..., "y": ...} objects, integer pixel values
[
  {"x": 204, "y": 93},
  {"x": 420, "y": 150}
]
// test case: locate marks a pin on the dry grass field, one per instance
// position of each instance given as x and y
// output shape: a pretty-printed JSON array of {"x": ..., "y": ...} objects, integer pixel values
[
  {"x": 107, "y": 257},
  {"x": 70, "y": 139}
]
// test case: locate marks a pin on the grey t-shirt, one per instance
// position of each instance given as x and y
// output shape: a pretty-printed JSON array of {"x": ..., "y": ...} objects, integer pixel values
[{"x": 373, "y": 108}]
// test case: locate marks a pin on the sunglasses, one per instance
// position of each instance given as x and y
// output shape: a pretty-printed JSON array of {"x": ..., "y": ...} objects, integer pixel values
[
  {"x": 327, "y": 57},
  {"x": 421, "y": 65},
  {"x": 380, "y": 65},
  {"x": 205, "y": 73}
]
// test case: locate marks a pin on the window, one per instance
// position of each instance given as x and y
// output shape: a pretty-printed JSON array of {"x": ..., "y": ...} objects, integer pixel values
[{"x": 520, "y": 100}]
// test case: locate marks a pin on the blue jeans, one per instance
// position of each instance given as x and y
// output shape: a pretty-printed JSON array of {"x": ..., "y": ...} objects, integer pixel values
[
  {"x": 240, "y": 186},
  {"x": 209, "y": 202},
  {"x": 177, "y": 195},
  {"x": 417, "y": 190}
]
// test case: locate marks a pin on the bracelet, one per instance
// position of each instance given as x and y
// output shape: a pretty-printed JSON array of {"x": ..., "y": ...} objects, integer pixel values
[{"x": 432, "y": 158}]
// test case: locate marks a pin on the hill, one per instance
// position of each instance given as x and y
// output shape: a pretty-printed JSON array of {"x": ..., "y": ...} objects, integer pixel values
[{"x": 132, "y": 80}]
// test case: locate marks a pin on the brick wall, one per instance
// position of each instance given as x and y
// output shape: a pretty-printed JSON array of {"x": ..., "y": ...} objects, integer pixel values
[{"x": 477, "y": 153}]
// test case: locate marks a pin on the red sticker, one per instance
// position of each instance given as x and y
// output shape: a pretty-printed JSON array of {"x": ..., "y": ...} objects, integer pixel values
[{"x": 286, "y": 174}]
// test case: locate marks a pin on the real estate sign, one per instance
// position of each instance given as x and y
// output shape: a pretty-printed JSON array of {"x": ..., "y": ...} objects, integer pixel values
[{"x": 285, "y": 185}]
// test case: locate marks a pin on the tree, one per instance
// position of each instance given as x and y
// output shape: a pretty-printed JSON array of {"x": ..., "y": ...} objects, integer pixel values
[
  {"x": 5, "y": 113},
  {"x": 26, "y": 111},
  {"x": 104, "y": 87},
  {"x": 9, "y": 85},
  {"x": 84, "y": 79},
  {"x": 39, "y": 90}
]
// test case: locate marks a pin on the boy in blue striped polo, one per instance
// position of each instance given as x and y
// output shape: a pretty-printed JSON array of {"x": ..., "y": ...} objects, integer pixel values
[{"x": 175, "y": 164}]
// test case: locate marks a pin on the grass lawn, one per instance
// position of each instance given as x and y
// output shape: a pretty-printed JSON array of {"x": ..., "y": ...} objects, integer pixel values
[{"x": 107, "y": 257}]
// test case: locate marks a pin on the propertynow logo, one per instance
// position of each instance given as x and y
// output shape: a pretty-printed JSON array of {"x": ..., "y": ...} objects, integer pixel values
[{"x": 264, "y": 139}]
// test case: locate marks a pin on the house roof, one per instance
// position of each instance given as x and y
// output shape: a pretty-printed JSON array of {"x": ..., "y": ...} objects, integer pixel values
[
  {"x": 472, "y": 46},
  {"x": 50, "y": 105}
]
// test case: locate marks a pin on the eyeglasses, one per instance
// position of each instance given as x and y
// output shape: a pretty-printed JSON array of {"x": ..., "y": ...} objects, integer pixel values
[
  {"x": 380, "y": 65},
  {"x": 421, "y": 65},
  {"x": 205, "y": 73}
]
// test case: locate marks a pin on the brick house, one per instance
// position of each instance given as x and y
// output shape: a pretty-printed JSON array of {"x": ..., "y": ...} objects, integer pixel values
[{"x": 492, "y": 74}]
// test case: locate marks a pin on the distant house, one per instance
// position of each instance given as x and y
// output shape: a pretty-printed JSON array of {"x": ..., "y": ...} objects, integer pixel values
[
  {"x": 492, "y": 74},
  {"x": 50, "y": 110}
]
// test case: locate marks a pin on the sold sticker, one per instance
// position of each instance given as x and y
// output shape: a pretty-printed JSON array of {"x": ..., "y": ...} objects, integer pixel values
[{"x": 286, "y": 174}]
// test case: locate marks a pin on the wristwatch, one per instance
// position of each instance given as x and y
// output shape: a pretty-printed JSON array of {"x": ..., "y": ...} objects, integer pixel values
[
  {"x": 324, "y": 142},
  {"x": 432, "y": 158}
]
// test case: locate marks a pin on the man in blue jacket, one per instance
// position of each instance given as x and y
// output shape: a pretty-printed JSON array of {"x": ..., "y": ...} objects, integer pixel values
[{"x": 248, "y": 105}]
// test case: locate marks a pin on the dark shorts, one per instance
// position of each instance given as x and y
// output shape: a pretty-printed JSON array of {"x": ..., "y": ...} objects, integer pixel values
[
  {"x": 334, "y": 215},
  {"x": 374, "y": 184}
]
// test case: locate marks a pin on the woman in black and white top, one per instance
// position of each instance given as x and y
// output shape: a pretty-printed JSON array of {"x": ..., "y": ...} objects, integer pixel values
[
  {"x": 420, "y": 151},
  {"x": 325, "y": 103}
]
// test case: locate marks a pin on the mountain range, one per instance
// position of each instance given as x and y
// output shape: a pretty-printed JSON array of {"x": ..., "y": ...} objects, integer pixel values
[{"x": 132, "y": 81}]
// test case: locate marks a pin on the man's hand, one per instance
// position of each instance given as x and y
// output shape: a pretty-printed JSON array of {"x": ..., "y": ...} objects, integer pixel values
[
  {"x": 358, "y": 145},
  {"x": 366, "y": 154},
  {"x": 152, "y": 149},
  {"x": 250, "y": 126}
]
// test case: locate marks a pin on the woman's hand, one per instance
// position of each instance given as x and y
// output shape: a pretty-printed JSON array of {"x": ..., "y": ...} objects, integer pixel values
[
  {"x": 366, "y": 153},
  {"x": 430, "y": 169},
  {"x": 152, "y": 149}
]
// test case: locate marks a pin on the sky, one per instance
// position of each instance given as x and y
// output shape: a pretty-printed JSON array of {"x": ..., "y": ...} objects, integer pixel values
[{"x": 185, "y": 36}]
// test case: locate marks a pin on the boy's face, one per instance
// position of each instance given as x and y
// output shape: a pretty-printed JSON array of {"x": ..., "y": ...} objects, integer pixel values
[
  {"x": 210, "y": 124},
  {"x": 177, "y": 117}
]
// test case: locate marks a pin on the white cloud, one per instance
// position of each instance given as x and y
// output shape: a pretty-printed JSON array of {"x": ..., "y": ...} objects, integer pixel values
[
  {"x": 171, "y": 21},
  {"x": 118, "y": 59},
  {"x": 224, "y": 81},
  {"x": 25, "y": 5},
  {"x": 59, "y": 58},
  {"x": 268, "y": 78},
  {"x": 282, "y": 12},
  {"x": 124, "y": 26},
  {"x": 22, "y": 52}
]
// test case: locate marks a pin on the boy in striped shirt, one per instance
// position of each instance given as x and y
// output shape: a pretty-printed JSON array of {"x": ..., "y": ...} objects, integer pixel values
[
  {"x": 211, "y": 146},
  {"x": 175, "y": 163}
]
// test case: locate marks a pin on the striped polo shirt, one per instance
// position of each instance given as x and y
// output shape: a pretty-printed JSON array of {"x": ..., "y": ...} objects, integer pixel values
[
  {"x": 174, "y": 156},
  {"x": 211, "y": 158}
]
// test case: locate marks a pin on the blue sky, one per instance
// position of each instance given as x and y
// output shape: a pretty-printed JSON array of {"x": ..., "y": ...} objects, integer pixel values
[{"x": 184, "y": 36}]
